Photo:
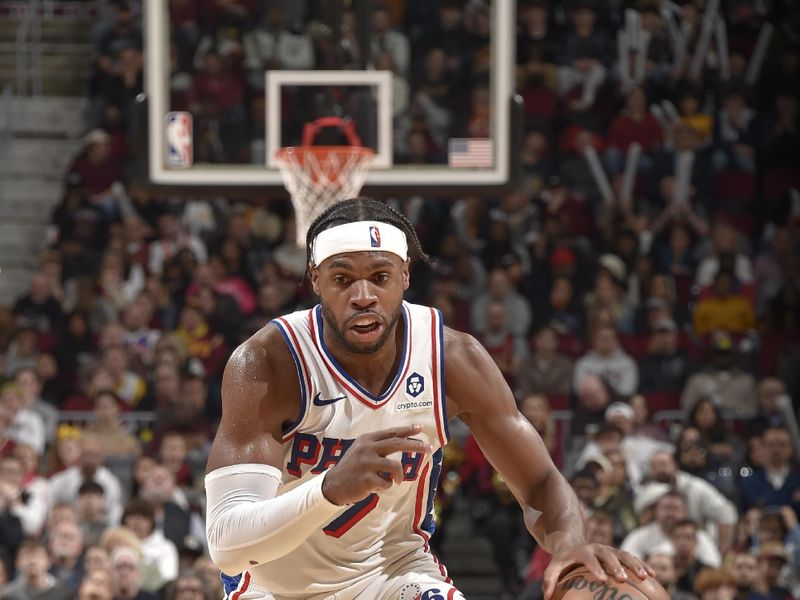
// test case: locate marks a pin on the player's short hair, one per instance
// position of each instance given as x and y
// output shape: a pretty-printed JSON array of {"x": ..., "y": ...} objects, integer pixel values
[{"x": 364, "y": 209}]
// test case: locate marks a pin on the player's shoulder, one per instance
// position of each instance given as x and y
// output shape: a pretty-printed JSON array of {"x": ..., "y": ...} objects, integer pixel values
[
  {"x": 461, "y": 347},
  {"x": 265, "y": 351}
]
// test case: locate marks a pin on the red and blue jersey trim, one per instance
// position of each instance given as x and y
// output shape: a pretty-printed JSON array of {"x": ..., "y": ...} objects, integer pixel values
[
  {"x": 303, "y": 375},
  {"x": 439, "y": 396},
  {"x": 423, "y": 519},
  {"x": 346, "y": 381},
  {"x": 234, "y": 585}
]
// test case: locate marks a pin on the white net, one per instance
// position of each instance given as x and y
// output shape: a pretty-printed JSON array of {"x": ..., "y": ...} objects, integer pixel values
[{"x": 319, "y": 176}]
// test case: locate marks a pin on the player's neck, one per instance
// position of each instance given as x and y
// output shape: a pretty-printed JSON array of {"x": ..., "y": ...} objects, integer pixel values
[{"x": 374, "y": 371}]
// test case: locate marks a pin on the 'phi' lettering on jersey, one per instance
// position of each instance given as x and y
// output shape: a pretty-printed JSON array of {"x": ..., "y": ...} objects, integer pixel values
[{"x": 383, "y": 528}]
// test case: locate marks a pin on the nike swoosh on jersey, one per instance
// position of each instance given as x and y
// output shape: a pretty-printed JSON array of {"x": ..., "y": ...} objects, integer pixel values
[{"x": 320, "y": 402}]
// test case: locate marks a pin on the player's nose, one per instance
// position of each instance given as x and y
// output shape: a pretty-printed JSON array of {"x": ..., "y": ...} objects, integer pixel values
[{"x": 362, "y": 295}]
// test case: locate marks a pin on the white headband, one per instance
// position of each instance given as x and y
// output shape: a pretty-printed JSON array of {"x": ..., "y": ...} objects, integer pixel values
[{"x": 361, "y": 236}]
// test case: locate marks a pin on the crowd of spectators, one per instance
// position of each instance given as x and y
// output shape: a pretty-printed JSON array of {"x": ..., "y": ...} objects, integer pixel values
[{"x": 653, "y": 340}]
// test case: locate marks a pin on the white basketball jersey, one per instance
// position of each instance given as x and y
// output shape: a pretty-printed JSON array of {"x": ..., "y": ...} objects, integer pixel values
[{"x": 384, "y": 531}]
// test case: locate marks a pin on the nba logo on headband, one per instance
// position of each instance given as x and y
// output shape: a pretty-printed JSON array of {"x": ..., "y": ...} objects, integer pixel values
[{"x": 374, "y": 237}]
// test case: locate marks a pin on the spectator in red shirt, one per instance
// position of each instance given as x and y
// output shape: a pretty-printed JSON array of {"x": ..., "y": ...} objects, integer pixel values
[
  {"x": 97, "y": 167},
  {"x": 635, "y": 124}
]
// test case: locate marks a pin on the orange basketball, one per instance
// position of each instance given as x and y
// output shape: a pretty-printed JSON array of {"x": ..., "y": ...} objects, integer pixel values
[{"x": 578, "y": 583}]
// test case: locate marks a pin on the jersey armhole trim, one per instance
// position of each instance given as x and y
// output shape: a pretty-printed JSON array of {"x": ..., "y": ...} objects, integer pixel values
[
  {"x": 440, "y": 400},
  {"x": 305, "y": 385}
]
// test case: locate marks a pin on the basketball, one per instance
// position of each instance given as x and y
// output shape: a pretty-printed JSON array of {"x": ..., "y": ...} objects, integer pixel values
[{"x": 579, "y": 583}]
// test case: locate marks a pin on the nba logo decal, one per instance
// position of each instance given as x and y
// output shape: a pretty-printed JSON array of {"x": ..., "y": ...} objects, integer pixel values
[
  {"x": 374, "y": 237},
  {"x": 179, "y": 139},
  {"x": 415, "y": 385}
]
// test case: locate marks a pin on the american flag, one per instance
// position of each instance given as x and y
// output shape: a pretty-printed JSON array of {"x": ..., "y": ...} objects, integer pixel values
[{"x": 468, "y": 152}]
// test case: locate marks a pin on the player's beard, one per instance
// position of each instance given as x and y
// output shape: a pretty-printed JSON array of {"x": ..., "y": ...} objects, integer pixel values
[{"x": 338, "y": 331}]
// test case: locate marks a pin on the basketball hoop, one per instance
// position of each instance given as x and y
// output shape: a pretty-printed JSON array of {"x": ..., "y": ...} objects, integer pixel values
[{"x": 319, "y": 176}]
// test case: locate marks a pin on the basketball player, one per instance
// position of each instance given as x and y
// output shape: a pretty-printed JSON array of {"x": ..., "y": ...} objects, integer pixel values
[{"x": 322, "y": 475}]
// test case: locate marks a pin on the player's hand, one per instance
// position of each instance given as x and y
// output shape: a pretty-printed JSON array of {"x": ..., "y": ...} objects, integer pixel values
[
  {"x": 600, "y": 559},
  {"x": 365, "y": 467}
]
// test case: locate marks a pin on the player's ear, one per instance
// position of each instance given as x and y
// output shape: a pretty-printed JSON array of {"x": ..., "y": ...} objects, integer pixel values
[
  {"x": 313, "y": 273},
  {"x": 406, "y": 277}
]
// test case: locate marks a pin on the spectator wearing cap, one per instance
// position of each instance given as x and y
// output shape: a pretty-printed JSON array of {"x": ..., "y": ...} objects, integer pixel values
[
  {"x": 500, "y": 290},
  {"x": 637, "y": 447},
  {"x": 777, "y": 483},
  {"x": 607, "y": 360},
  {"x": 732, "y": 389},
  {"x": 706, "y": 505},
  {"x": 33, "y": 580},
  {"x": 96, "y": 167},
  {"x": 126, "y": 571},
  {"x": 670, "y": 510},
  {"x": 545, "y": 370},
  {"x": 159, "y": 555},
  {"x": 715, "y": 584},
  {"x": 64, "y": 485},
  {"x": 665, "y": 367},
  {"x": 725, "y": 308}
]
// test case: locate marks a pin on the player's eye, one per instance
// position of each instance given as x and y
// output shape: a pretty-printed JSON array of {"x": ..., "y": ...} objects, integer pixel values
[
  {"x": 340, "y": 280},
  {"x": 382, "y": 277}
]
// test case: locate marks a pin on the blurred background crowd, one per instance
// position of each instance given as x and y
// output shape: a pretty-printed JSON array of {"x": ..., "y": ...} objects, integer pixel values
[{"x": 654, "y": 341}]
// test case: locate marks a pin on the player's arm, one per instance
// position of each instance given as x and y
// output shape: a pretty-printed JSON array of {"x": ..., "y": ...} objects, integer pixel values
[
  {"x": 478, "y": 393},
  {"x": 247, "y": 523}
]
